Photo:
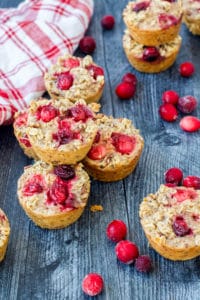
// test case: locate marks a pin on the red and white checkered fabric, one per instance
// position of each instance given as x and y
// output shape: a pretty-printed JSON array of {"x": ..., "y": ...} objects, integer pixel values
[{"x": 31, "y": 37}]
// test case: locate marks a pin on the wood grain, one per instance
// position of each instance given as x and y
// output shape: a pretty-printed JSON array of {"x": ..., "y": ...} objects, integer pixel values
[{"x": 42, "y": 264}]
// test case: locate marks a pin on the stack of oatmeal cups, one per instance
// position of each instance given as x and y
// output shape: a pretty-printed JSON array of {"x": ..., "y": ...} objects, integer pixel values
[{"x": 152, "y": 41}]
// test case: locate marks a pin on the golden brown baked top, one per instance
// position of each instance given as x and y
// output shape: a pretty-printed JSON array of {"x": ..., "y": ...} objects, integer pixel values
[
  {"x": 51, "y": 190},
  {"x": 172, "y": 216},
  {"x": 117, "y": 141},
  {"x": 74, "y": 77},
  {"x": 153, "y": 14},
  {"x": 4, "y": 228},
  {"x": 61, "y": 124}
]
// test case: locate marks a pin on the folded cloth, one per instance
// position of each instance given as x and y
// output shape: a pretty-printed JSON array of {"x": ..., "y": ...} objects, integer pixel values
[{"x": 31, "y": 37}]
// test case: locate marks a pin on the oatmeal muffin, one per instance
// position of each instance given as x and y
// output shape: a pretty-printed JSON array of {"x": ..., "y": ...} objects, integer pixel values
[
  {"x": 53, "y": 196},
  {"x": 153, "y": 22},
  {"x": 116, "y": 149},
  {"x": 4, "y": 234},
  {"x": 20, "y": 127},
  {"x": 191, "y": 15},
  {"x": 171, "y": 221},
  {"x": 150, "y": 59},
  {"x": 74, "y": 78},
  {"x": 61, "y": 132}
]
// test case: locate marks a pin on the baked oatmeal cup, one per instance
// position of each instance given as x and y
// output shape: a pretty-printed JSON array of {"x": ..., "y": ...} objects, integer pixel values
[
  {"x": 171, "y": 221},
  {"x": 116, "y": 149},
  {"x": 20, "y": 127},
  {"x": 75, "y": 78},
  {"x": 153, "y": 22},
  {"x": 191, "y": 15},
  {"x": 53, "y": 196},
  {"x": 151, "y": 59},
  {"x": 4, "y": 234},
  {"x": 61, "y": 132}
]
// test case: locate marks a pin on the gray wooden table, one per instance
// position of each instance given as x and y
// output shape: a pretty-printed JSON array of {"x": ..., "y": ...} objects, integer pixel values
[{"x": 42, "y": 264}]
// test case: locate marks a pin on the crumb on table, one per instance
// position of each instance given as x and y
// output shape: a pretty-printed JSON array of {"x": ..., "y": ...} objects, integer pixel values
[{"x": 95, "y": 208}]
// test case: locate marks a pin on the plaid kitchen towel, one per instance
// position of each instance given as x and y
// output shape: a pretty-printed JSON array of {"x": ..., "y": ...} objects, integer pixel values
[{"x": 31, "y": 37}]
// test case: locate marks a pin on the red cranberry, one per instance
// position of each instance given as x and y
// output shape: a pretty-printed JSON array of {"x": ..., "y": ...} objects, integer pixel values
[
  {"x": 71, "y": 63},
  {"x": 130, "y": 78},
  {"x": 97, "y": 152},
  {"x": 116, "y": 230},
  {"x": 25, "y": 141},
  {"x": 190, "y": 124},
  {"x": 97, "y": 137},
  {"x": 21, "y": 120},
  {"x": 168, "y": 112},
  {"x": 126, "y": 251},
  {"x": 87, "y": 44},
  {"x": 174, "y": 176},
  {"x": 192, "y": 181},
  {"x": 180, "y": 226},
  {"x": 150, "y": 54},
  {"x": 187, "y": 104},
  {"x": 170, "y": 97},
  {"x": 186, "y": 69},
  {"x": 65, "y": 134},
  {"x": 79, "y": 112},
  {"x": 95, "y": 71},
  {"x": 64, "y": 81},
  {"x": 108, "y": 22},
  {"x": 143, "y": 264},
  {"x": 64, "y": 171},
  {"x": 33, "y": 186},
  {"x": 141, "y": 6},
  {"x": 167, "y": 21},
  {"x": 184, "y": 194},
  {"x": 46, "y": 113},
  {"x": 92, "y": 284},
  {"x": 125, "y": 90},
  {"x": 123, "y": 143},
  {"x": 58, "y": 192}
]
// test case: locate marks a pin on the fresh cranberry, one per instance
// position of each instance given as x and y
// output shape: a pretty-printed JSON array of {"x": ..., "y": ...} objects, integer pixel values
[
  {"x": 58, "y": 193},
  {"x": 130, "y": 78},
  {"x": 64, "y": 81},
  {"x": 174, "y": 175},
  {"x": 168, "y": 112},
  {"x": 95, "y": 71},
  {"x": 79, "y": 112},
  {"x": 97, "y": 137},
  {"x": 167, "y": 21},
  {"x": 64, "y": 171},
  {"x": 192, "y": 181},
  {"x": 123, "y": 143},
  {"x": 46, "y": 113},
  {"x": 170, "y": 97},
  {"x": 33, "y": 186},
  {"x": 187, "y": 104},
  {"x": 190, "y": 124},
  {"x": 180, "y": 226},
  {"x": 126, "y": 251},
  {"x": 92, "y": 284},
  {"x": 87, "y": 44},
  {"x": 108, "y": 22},
  {"x": 143, "y": 264},
  {"x": 150, "y": 54},
  {"x": 141, "y": 6},
  {"x": 97, "y": 152},
  {"x": 25, "y": 141},
  {"x": 65, "y": 134},
  {"x": 184, "y": 194},
  {"x": 21, "y": 120},
  {"x": 125, "y": 90},
  {"x": 71, "y": 63},
  {"x": 116, "y": 230},
  {"x": 186, "y": 69}
]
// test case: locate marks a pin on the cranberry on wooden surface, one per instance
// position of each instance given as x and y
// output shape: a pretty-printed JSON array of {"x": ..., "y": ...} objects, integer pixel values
[
  {"x": 168, "y": 112},
  {"x": 143, "y": 264},
  {"x": 92, "y": 284},
  {"x": 187, "y": 104},
  {"x": 126, "y": 251},
  {"x": 116, "y": 230},
  {"x": 192, "y": 181},
  {"x": 174, "y": 176},
  {"x": 186, "y": 69},
  {"x": 125, "y": 90},
  {"x": 87, "y": 44},
  {"x": 108, "y": 22},
  {"x": 170, "y": 97},
  {"x": 130, "y": 78},
  {"x": 190, "y": 124}
]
